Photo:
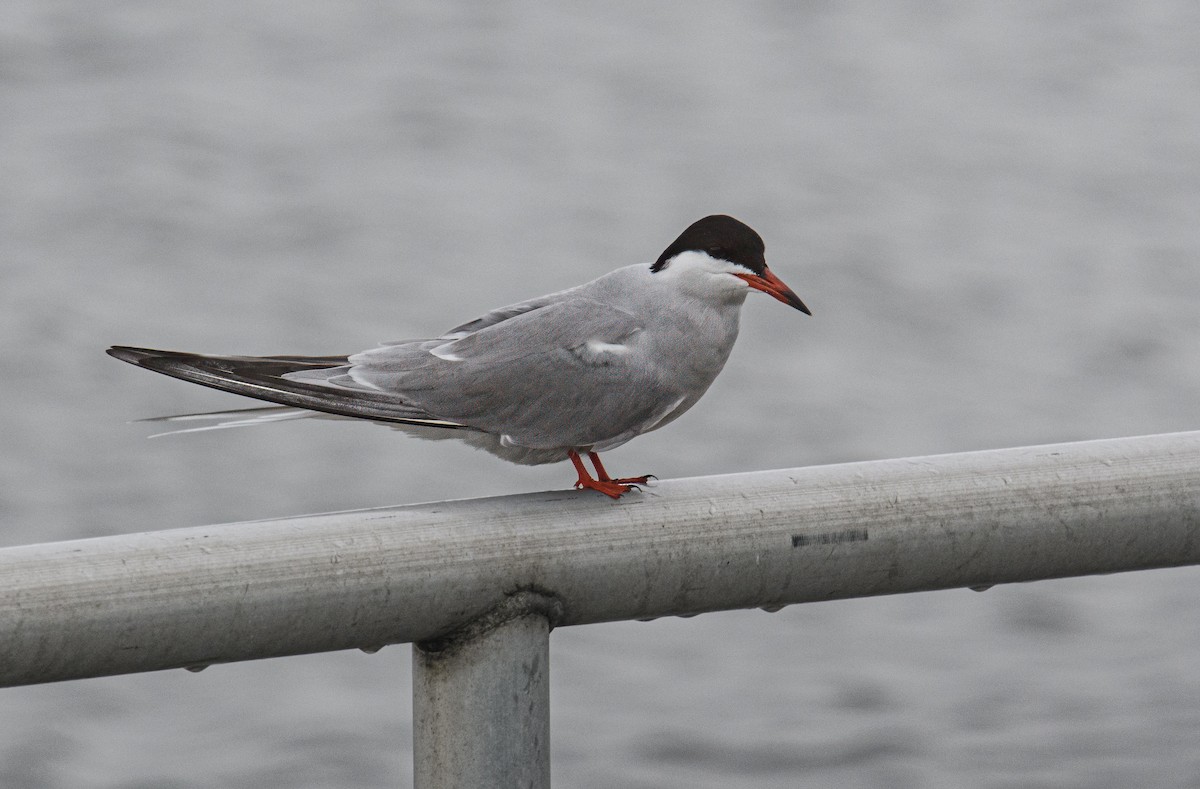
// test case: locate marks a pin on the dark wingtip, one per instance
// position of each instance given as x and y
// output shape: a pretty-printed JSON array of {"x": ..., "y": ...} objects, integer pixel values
[{"x": 131, "y": 355}]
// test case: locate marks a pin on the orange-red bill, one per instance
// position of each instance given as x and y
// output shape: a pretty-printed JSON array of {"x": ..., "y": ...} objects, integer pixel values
[{"x": 772, "y": 285}]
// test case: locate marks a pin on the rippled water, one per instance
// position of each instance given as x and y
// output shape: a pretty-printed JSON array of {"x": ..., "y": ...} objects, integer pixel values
[{"x": 993, "y": 211}]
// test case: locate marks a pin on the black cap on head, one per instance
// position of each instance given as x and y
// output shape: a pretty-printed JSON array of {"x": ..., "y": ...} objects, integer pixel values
[{"x": 721, "y": 237}]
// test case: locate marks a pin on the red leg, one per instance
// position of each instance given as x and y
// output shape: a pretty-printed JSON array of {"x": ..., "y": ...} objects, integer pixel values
[
  {"x": 609, "y": 487},
  {"x": 602, "y": 475}
]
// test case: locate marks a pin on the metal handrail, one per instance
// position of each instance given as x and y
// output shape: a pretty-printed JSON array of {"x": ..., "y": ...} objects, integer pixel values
[{"x": 419, "y": 573}]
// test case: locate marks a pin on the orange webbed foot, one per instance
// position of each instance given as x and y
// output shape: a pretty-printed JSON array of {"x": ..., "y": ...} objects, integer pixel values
[{"x": 613, "y": 488}]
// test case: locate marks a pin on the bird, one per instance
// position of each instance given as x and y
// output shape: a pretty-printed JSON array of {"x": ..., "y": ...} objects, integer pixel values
[{"x": 572, "y": 373}]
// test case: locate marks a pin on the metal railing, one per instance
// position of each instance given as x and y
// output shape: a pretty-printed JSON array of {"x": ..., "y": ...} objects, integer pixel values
[{"x": 477, "y": 585}]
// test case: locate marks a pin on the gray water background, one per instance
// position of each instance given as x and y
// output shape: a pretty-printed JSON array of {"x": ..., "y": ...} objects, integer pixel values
[{"x": 993, "y": 210}]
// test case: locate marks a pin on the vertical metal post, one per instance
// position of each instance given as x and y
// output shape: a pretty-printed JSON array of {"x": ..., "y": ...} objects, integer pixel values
[{"x": 481, "y": 701}]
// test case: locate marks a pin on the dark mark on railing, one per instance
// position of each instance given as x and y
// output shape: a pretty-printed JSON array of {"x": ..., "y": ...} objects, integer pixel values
[{"x": 829, "y": 537}]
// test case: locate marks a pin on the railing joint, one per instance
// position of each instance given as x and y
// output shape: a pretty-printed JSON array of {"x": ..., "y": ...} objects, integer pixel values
[{"x": 514, "y": 605}]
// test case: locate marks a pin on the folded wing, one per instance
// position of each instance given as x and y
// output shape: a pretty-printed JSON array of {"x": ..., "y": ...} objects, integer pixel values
[
  {"x": 555, "y": 374},
  {"x": 567, "y": 373}
]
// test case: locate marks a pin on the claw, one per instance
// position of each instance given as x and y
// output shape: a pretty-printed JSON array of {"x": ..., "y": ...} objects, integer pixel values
[{"x": 635, "y": 481}]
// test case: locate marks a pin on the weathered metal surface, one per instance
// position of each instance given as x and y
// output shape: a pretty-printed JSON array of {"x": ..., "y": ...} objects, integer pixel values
[{"x": 190, "y": 597}]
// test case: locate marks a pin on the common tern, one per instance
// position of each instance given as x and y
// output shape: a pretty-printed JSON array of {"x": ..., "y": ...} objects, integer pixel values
[{"x": 576, "y": 372}]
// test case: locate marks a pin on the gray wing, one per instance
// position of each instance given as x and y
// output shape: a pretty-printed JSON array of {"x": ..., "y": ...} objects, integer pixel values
[
  {"x": 566, "y": 373},
  {"x": 501, "y": 314},
  {"x": 498, "y": 315}
]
